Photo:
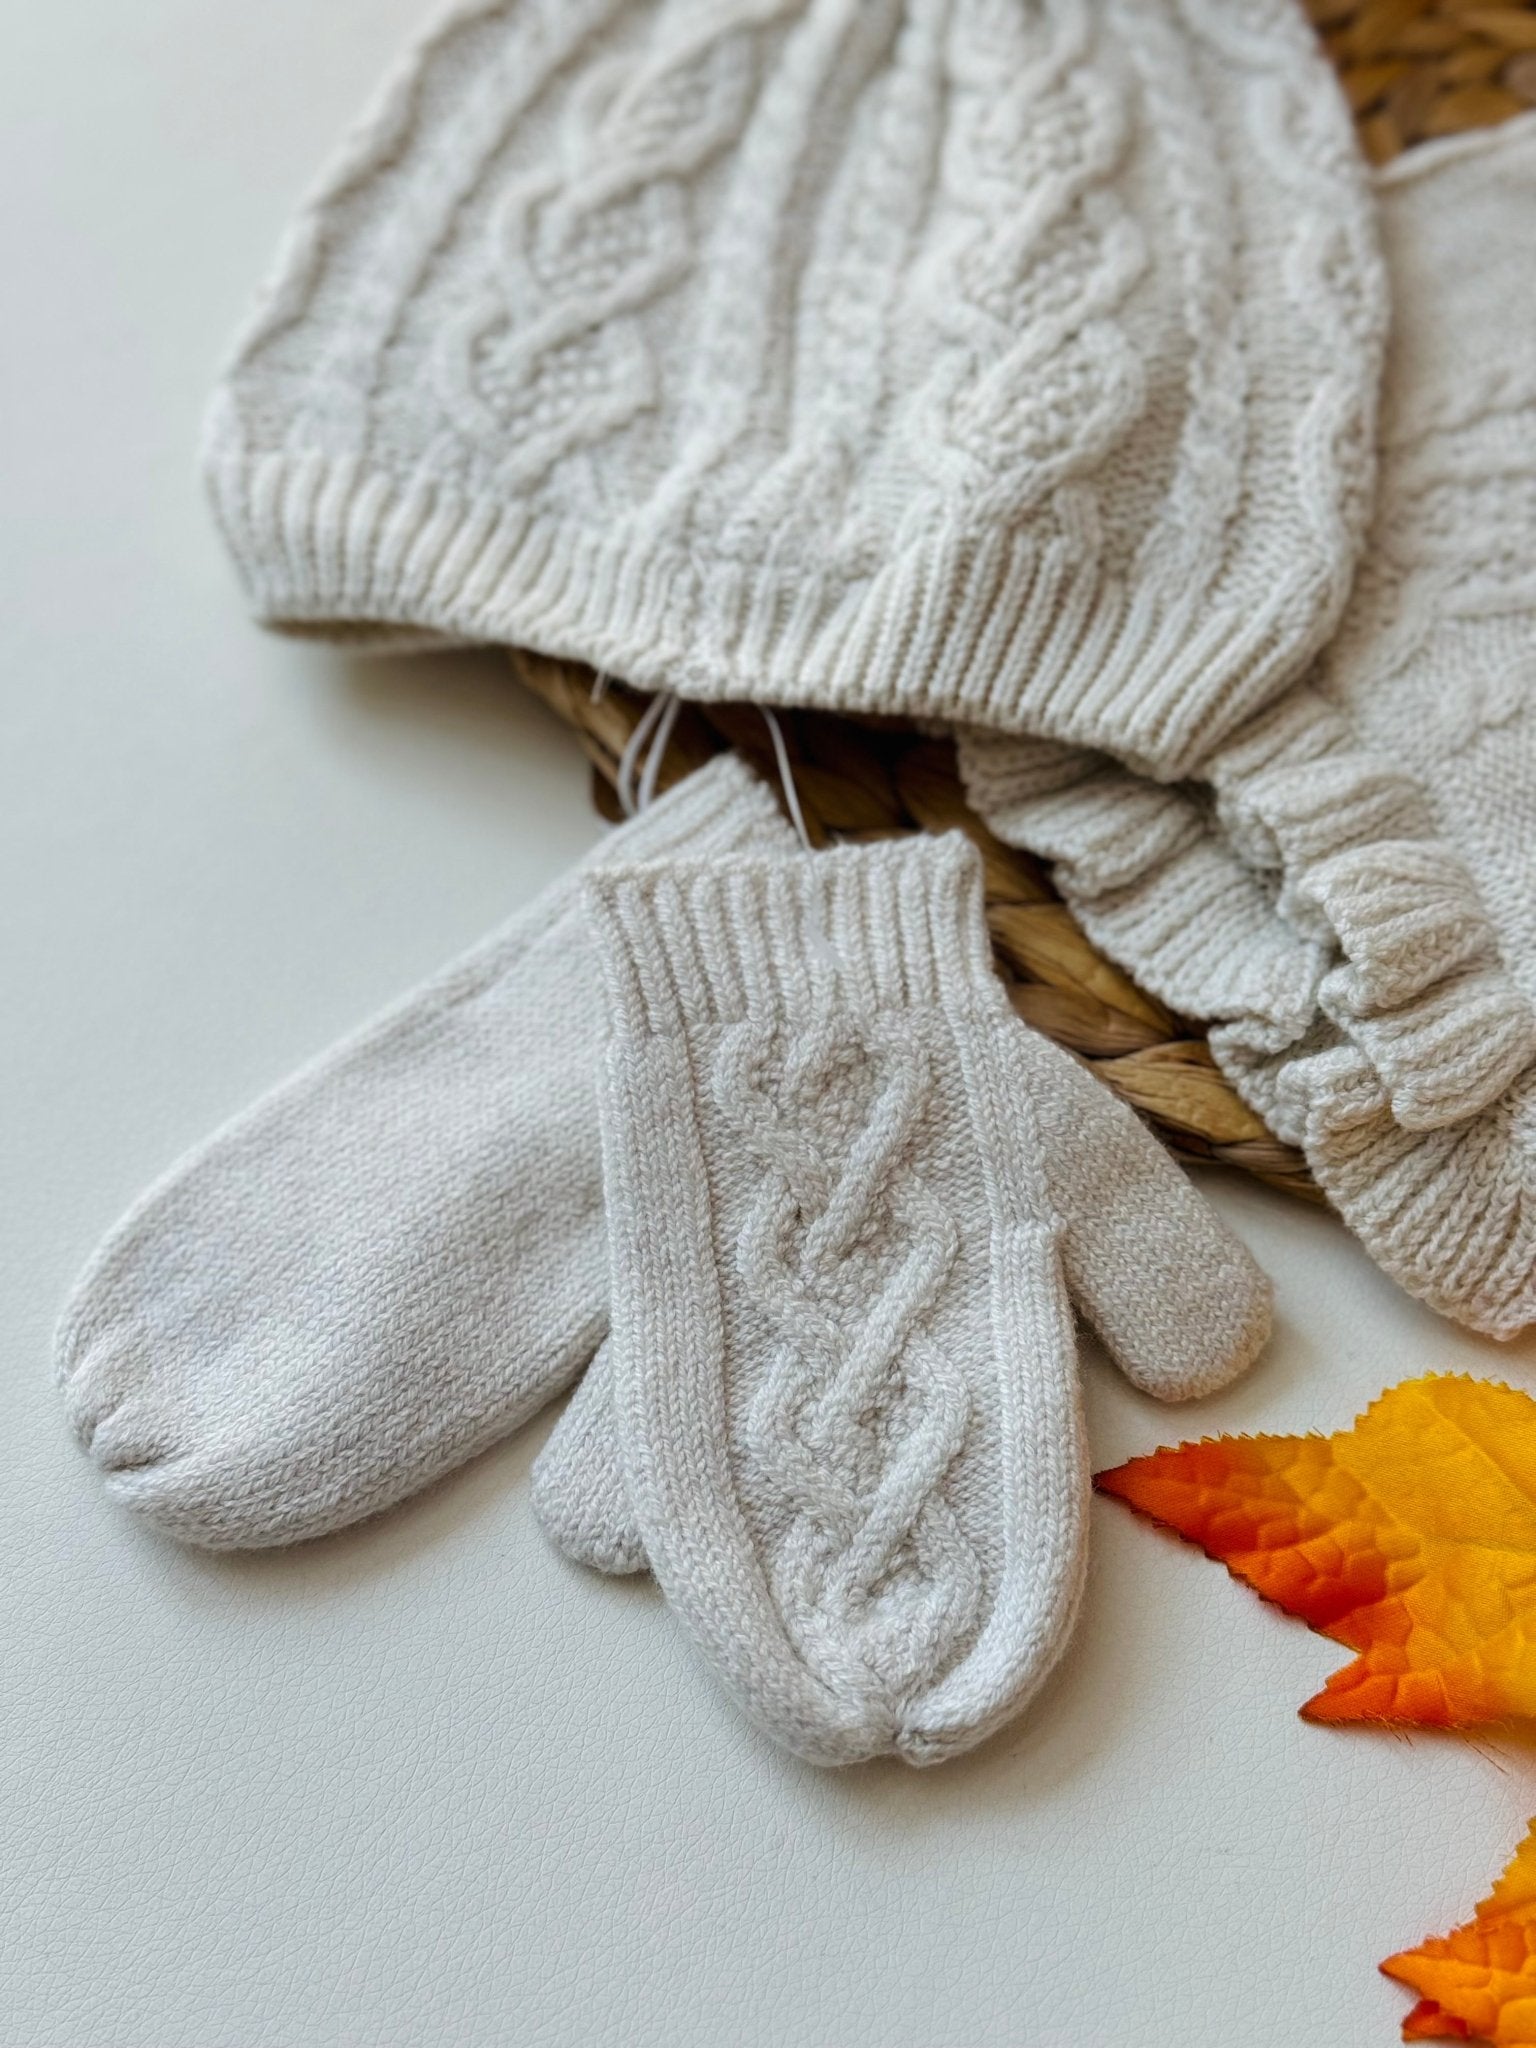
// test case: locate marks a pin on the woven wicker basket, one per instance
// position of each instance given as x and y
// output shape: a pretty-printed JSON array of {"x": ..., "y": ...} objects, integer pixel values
[{"x": 1412, "y": 69}]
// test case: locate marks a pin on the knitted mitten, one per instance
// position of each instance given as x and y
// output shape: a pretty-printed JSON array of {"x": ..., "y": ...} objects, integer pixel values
[
  {"x": 391, "y": 1261},
  {"x": 986, "y": 361},
  {"x": 1350, "y": 898},
  {"x": 847, "y": 1195}
]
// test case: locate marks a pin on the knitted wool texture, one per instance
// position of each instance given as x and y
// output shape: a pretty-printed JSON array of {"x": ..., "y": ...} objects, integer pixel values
[
  {"x": 578, "y": 1488},
  {"x": 394, "y": 1259},
  {"x": 1011, "y": 361},
  {"x": 838, "y": 1175},
  {"x": 1352, "y": 898}
]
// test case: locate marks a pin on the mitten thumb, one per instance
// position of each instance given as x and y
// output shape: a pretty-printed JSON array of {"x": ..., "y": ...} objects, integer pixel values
[
  {"x": 579, "y": 1495},
  {"x": 1176, "y": 1299}
]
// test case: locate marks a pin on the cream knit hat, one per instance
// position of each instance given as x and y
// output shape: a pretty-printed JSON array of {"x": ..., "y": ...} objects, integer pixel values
[
  {"x": 1004, "y": 361},
  {"x": 1351, "y": 900}
]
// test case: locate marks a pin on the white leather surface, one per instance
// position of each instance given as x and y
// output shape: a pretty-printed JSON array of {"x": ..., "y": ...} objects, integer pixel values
[{"x": 424, "y": 1784}]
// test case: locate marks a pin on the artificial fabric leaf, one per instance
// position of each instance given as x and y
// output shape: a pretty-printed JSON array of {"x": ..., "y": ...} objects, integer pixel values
[
  {"x": 1479, "y": 1983},
  {"x": 1410, "y": 1538},
  {"x": 1428, "y": 2023}
]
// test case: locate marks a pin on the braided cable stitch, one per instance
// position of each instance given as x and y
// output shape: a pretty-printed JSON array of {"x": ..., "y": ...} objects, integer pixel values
[{"x": 844, "y": 1250}]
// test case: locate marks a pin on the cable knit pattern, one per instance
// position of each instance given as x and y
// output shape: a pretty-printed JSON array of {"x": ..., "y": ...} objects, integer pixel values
[
  {"x": 1010, "y": 361},
  {"x": 847, "y": 1192},
  {"x": 857, "y": 1423},
  {"x": 392, "y": 1260},
  {"x": 556, "y": 355},
  {"x": 1350, "y": 897},
  {"x": 1041, "y": 378}
]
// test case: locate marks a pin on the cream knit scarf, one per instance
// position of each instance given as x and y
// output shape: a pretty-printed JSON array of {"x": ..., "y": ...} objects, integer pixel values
[{"x": 1351, "y": 898}]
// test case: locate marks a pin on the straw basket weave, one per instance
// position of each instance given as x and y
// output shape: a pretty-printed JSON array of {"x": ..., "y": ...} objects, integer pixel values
[{"x": 1412, "y": 69}]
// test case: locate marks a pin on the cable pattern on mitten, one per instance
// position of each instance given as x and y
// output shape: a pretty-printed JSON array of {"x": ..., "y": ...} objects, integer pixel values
[{"x": 843, "y": 1251}]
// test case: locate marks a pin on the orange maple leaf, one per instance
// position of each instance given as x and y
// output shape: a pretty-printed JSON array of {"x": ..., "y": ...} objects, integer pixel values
[
  {"x": 1410, "y": 1538},
  {"x": 1428, "y": 2023},
  {"x": 1479, "y": 1983}
]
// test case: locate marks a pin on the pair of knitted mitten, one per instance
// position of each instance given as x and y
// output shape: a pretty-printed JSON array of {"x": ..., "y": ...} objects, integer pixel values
[
  {"x": 1349, "y": 898},
  {"x": 994, "y": 362},
  {"x": 830, "y": 1193}
]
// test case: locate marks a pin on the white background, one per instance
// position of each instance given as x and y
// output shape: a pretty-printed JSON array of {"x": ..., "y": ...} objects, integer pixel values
[{"x": 425, "y": 1783}]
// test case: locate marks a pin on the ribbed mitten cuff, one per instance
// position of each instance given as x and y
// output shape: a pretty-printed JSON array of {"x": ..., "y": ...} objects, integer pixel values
[
  {"x": 722, "y": 807},
  {"x": 894, "y": 926}
]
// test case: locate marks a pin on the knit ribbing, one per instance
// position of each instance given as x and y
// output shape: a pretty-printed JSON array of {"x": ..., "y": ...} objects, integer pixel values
[
  {"x": 856, "y": 929},
  {"x": 880, "y": 358}
]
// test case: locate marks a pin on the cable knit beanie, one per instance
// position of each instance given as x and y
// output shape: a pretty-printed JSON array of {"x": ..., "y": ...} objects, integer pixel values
[
  {"x": 1005, "y": 361},
  {"x": 1352, "y": 900}
]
